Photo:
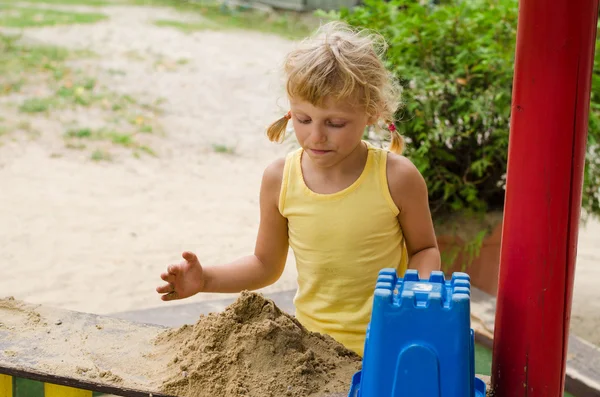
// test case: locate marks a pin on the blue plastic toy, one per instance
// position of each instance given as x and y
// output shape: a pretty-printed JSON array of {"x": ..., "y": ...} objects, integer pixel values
[{"x": 419, "y": 342}]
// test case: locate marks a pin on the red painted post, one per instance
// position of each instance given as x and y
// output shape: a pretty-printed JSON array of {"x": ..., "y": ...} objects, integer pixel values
[{"x": 550, "y": 104}]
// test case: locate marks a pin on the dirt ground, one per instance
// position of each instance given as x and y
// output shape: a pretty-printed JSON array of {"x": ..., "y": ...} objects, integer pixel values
[{"x": 94, "y": 236}]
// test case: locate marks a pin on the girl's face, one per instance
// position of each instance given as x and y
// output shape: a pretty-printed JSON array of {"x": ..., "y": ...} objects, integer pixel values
[{"x": 330, "y": 133}]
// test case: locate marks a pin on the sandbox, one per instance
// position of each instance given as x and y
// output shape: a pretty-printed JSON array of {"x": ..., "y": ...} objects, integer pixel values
[{"x": 251, "y": 348}]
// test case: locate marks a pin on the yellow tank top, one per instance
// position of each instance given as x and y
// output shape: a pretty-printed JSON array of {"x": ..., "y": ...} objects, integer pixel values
[{"x": 340, "y": 242}]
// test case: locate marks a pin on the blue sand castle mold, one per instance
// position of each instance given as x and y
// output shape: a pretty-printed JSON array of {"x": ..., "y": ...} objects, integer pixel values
[{"x": 419, "y": 342}]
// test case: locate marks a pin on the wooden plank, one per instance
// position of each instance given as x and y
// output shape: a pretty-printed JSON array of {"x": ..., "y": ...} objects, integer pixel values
[
  {"x": 583, "y": 368},
  {"x": 77, "y": 383},
  {"x": 6, "y": 386},
  {"x": 51, "y": 390},
  {"x": 79, "y": 350}
]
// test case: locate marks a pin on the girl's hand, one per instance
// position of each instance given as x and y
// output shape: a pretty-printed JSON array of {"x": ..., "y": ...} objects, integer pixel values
[
  {"x": 184, "y": 280},
  {"x": 250, "y": 272}
]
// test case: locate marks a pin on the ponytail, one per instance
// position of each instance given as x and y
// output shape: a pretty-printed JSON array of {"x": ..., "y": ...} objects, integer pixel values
[
  {"x": 276, "y": 131},
  {"x": 397, "y": 144}
]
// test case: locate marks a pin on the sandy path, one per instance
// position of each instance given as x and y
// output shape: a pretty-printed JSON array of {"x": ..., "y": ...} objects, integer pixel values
[{"x": 94, "y": 236}]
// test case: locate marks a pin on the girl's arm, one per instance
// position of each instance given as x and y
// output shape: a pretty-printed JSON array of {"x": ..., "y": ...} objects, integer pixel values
[
  {"x": 266, "y": 265},
  {"x": 409, "y": 192},
  {"x": 251, "y": 272}
]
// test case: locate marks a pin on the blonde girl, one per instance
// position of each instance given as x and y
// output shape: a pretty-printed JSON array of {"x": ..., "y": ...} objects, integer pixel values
[{"x": 345, "y": 207}]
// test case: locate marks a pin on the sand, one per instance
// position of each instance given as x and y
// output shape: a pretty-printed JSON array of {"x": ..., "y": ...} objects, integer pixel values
[
  {"x": 254, "y": 349},
  {"x": 250, "y": 349},
  {"x": 95, "y": 236},
  {"x": 104, "y": 231},
  {"x": 88, "y": 348}
]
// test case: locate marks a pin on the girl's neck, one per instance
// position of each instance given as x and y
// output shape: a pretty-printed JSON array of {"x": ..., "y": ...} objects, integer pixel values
[{"x": 339, "y": 175}]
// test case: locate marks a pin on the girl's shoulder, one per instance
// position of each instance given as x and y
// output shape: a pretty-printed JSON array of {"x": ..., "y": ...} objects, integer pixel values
[
  {"x": 403, "y": 179},
  {"x": 273, "y": 173},
  {"x": 400, "y": 165},
  {"x": 275, "y": 170},
  {"x": 275, "y": 180}
]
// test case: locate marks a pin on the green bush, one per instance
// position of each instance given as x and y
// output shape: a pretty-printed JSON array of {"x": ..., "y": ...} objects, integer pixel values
[{"x": 455, "y": 62}]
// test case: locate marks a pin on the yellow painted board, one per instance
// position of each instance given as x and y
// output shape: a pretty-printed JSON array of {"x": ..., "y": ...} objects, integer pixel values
[
  {"x": 51, "y": 390},
  {"x": 6, "y": 386}
]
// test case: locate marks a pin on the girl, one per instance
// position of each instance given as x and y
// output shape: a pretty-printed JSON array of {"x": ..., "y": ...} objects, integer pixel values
[{"x": 346, "y": 208}]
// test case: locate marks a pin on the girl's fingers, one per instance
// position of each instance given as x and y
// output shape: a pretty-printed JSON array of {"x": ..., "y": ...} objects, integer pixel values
[
  {"x": 170, "y": 296},
  {"x": 173, "y": 269},
  {"x": 168, "y": 277},
  {"x": 168, "y": 289},
  {"x": 190, "y": 257},
  {"x": 165, "y": 289}
]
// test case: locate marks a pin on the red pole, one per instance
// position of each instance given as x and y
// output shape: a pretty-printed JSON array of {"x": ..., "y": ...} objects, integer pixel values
[{"x": 551, "y": 98}]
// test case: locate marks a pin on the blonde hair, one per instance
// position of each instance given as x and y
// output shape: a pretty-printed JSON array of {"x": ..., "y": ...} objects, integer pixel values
[{"x": 345, "y": 64}]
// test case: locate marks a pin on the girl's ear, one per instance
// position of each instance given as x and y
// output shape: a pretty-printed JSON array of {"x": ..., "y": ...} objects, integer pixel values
[{"x": 372, "y": 120}]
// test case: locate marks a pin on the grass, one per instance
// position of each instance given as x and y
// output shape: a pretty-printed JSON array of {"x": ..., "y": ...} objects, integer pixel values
[
  {"x": 75, "y": 145},
  {"x": 74, "y": 91},
  {"x": 8, "y": 86},
  {"x": 186, "y": 27},
  {"x": 70, "y": 2},
  {"x": 134, "y": 55},
  {"x": 288, "y": 24},
  {"x": 219, "y": 148},
  {"x": 36, "y": 105},
  {"x": 117, "y": 72},
  {"x": 26, "y": 127},
  {"x": 163, "y": 64},
  {"x": 118, "y": 138},
  {"x": 76, "y": 138},
  {"x": 18, "y": 61},
  {"x": 144, "y": 149},
  {"x": 67, "y": 94},
  {"x": 101, "y": 155},
  {"x": 46, "y": 67},
  {"x": 15, "y": 57},
  {"x": 22, "y": 17},
  {"x": 79, "y": 133},
  {"x": 21, "y": 128},
  {"x": 143, "y": 124}
]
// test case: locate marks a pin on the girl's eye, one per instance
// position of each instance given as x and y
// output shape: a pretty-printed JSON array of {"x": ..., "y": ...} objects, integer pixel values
[{"x": 334, "y": 125}]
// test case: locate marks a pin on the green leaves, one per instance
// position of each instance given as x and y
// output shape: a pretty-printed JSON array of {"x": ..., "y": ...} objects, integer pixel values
[{"x": 455, "y": 61}]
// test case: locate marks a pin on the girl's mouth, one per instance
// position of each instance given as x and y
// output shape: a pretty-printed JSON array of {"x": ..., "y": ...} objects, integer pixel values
[{"x": 319, "y": 152}]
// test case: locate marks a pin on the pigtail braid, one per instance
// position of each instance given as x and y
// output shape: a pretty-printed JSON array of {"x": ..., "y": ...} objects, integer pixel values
[
  {"x": 397, "y": 140},
  {"x": 276, "y": 131}
]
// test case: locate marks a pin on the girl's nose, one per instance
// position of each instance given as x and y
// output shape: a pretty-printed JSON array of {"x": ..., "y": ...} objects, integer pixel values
[{"x": 318, "y": 135}]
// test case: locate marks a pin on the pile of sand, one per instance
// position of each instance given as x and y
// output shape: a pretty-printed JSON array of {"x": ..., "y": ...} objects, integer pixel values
[
  {"x": 250, "y": 349},
  {"x": 254, "y": 349}
]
